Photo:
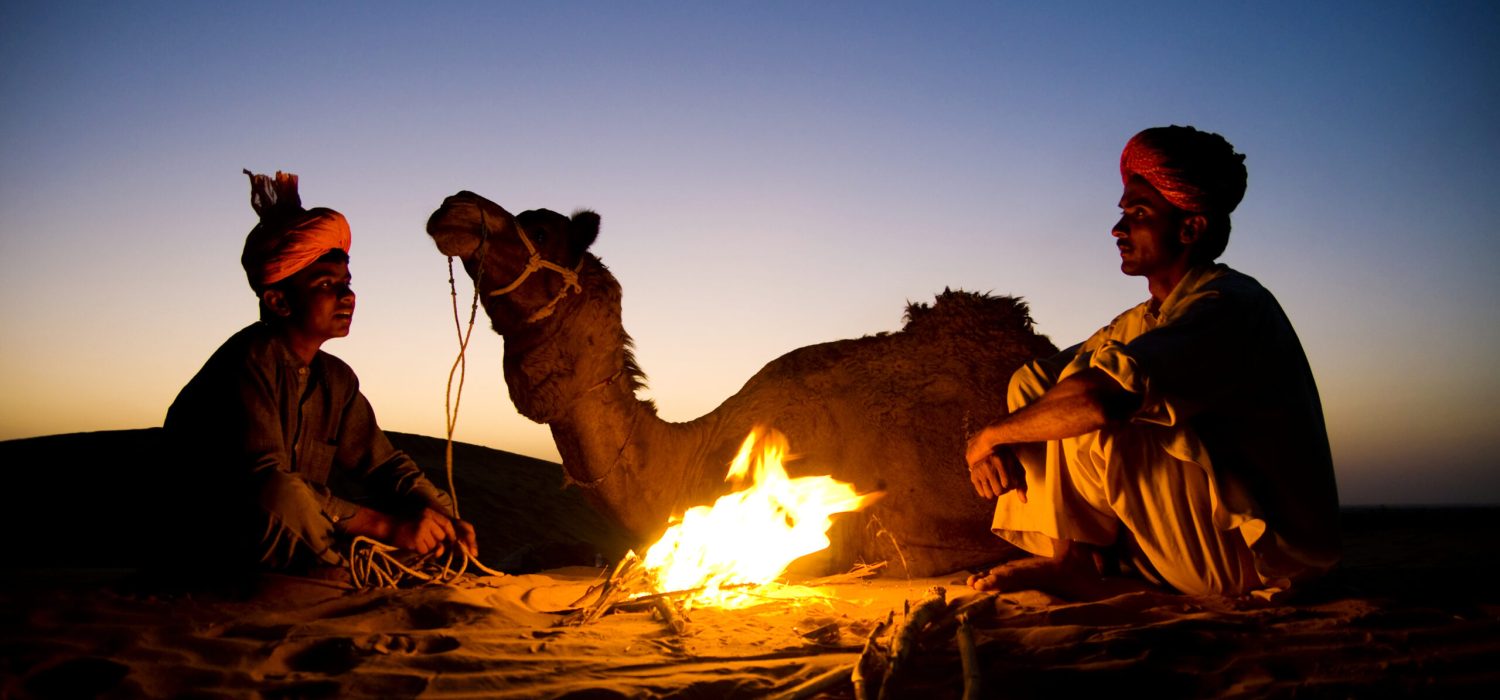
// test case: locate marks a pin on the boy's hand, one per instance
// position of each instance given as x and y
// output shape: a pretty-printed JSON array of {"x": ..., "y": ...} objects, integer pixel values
[
  {"x": 430, "y": 531},
  {"x": 466, "y": 538}
]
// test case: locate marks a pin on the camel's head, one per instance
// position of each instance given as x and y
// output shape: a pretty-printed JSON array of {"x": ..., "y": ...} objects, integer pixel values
[{"x": 523, "y": 264}]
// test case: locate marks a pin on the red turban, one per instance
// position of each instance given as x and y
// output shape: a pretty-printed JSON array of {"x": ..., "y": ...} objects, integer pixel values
[
  {"x": 1196, "y": 171},
  {"x": 287, "y": 238}
]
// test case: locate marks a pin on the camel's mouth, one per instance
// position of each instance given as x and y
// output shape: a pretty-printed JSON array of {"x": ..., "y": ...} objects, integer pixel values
[{"x": 454, "y": 227}]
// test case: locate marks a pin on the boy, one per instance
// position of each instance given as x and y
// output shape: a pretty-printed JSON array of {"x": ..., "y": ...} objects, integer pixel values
[{"x": 270, "y": 420}]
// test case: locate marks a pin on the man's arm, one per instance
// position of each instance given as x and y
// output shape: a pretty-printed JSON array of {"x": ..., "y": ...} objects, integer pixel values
[{"x": 1082, "y": 403}]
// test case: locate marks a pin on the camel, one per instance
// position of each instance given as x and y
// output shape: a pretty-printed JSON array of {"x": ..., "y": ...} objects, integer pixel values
[{"x": 887, "y": 412}]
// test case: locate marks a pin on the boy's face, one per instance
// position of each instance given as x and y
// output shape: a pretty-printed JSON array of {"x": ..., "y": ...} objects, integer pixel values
[{"x": 317, "y": 303}]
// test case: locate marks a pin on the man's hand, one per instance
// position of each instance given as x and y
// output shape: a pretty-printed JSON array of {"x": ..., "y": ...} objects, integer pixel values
[
  {"x": 994, "y": 469},
  {"x": 430, "y": 531}
]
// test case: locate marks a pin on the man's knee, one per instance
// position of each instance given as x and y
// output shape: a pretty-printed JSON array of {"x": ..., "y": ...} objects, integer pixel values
[{"x": 1027, "y": 385}]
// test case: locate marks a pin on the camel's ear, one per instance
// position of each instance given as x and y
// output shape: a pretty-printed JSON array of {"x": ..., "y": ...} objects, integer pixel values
[{"x": 583, "y": 228}]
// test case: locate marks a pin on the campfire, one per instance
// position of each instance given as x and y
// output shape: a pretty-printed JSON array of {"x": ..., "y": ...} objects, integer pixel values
[
  {"x": 732, "y": 554},
  {"x": 748, "y": 538}
]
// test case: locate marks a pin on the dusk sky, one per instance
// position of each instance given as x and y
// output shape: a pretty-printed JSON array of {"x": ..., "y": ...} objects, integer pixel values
[{"x": 770, "y": 175}]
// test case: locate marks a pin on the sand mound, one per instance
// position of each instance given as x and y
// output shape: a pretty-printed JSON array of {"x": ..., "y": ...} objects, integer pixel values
[{"x": 1414, "y": 610}]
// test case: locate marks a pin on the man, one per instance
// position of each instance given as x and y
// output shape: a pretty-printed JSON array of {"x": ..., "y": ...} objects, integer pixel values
[
  {"x": 270, "y": 421},
  {"x": 1185, "y": 439}
]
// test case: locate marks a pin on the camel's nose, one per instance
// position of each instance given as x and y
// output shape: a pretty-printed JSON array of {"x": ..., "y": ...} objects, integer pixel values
[{"x": 453, "y": 228}]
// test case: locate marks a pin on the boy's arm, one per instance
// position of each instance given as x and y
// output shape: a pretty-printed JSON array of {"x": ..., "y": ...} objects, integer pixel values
[
  {"x": 424, "y": 532},
  {"x": 368, "y": 453}
]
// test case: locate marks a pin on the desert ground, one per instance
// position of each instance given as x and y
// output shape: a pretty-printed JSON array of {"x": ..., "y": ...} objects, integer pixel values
[{"x": 1412, "y": 611}]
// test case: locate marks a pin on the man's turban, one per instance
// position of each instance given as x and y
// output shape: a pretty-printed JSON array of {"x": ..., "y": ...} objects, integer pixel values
[
  {"x": 288, "y": 238},
  {"x": 1196, "y": 171}
]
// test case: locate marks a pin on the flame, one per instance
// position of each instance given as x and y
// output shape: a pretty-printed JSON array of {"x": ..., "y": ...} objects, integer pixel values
[{"x": 750, "y": 536}]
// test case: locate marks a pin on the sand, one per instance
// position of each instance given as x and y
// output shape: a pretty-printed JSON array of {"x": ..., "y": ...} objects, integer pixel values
[{"x": 1413, "y": 611}]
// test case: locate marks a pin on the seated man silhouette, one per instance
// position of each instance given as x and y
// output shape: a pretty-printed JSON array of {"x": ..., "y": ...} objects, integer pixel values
[
  {"x": 271, "y": 425},
  {"x": 1184, "y": 440}
]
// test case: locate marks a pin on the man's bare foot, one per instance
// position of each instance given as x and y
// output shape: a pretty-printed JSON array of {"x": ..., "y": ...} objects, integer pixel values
[
  {"x": 1075, "y": 575},
  {"x": 1032, "y": 573}
]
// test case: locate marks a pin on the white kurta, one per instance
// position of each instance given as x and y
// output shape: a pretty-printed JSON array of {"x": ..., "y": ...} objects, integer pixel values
[{"x": 1223, "y": 478}]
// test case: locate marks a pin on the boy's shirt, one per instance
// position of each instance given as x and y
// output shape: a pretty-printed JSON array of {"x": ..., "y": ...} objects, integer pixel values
[{"x": 254, "y": 407}]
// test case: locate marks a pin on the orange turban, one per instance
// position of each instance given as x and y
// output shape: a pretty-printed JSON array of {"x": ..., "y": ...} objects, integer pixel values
[
  {"x": 287, "y": 238},
  {"x": 1196, "y": 171}
]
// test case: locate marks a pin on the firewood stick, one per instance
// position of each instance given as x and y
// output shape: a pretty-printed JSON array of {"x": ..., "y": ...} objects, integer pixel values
[
  {"x": 669, "y": 615},
  {"x": 600, "y": 590},
  {"x": 945, "y": 624},
  {"x": 858, "y": 573},
  {"x": 817, "y": 684},
  {"x": 614, "y": 588},
  {"x": 870, "y": 660},
  {"x": 603, "y": 588},
  {"x": 905, "y": 640},
  {"x": 686, "y": 591},
  {"x": 969, "y": 655}
]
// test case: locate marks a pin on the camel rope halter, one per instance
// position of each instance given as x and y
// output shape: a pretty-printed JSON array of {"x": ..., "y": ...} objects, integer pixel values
[{"x": 534, "y": 263}]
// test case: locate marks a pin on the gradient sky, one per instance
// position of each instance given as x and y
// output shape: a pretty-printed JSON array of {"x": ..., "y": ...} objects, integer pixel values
[{"x": 770, "y": 175}]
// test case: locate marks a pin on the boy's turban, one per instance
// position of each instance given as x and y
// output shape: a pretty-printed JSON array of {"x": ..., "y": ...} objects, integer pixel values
[
  {"x": 1196, "y": 171},
  {"x": 288, "y": 238}
]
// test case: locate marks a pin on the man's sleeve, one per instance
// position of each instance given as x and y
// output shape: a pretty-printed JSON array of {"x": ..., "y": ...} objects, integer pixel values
[{"x": 1205, "y": 358}]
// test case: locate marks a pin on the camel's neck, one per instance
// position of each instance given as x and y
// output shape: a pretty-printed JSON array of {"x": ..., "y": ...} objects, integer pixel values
[{"x": 574, "y": 371}]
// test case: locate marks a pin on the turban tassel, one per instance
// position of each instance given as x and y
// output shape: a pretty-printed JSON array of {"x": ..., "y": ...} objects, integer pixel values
[{"x": 288, "y": 238}]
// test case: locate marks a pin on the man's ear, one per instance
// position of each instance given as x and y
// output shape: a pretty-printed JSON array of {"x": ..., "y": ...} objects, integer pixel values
[
  {"x": 275, "y": 300},
  {"x": 1192, "y": 229}
]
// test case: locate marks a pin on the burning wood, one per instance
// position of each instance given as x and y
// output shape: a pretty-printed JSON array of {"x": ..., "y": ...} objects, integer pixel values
[
  {"x": 750, "y": 536},
  {"x": 669, "y": 615},
  {"x": 728, "y": 554},
  {"x": 725, "y": 555}
]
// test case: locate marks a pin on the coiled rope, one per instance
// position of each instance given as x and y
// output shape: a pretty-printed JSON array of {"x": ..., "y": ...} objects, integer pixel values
[{"x": 376, "y": 564}]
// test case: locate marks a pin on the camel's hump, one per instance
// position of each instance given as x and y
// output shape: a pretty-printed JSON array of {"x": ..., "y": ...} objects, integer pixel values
[{"x": 968, "y": 309}]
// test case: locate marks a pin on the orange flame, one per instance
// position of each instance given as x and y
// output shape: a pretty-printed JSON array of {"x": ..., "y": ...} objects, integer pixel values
[{"x": 752, "y": 535}]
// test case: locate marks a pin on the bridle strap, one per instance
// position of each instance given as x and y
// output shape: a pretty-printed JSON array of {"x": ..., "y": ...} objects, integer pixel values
[{"x": 534, "y": 263}]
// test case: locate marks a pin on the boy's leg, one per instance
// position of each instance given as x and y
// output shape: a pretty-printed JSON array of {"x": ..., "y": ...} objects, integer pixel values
[{"x": 294, "y": 534}]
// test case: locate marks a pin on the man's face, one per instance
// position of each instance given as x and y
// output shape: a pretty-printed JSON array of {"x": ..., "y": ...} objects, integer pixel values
[
  {"x": 319, "y": 301},
  {"x": 1149, "y": 231}
]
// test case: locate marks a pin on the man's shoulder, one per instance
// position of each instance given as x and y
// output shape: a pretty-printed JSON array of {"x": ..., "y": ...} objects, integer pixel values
[
  {"x": 337, "y": 371},
  {"x": 1228, "y": 280}
]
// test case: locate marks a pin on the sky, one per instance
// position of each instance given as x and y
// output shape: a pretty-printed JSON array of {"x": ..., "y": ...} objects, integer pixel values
[{"x": 770, "y": 175}]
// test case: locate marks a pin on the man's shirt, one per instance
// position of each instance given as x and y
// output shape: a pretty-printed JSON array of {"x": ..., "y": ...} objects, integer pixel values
[{"x": 1219, "y": 357}]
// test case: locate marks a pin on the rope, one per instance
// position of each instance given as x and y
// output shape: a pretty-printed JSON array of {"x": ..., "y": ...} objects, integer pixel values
[
  {"x": 461, "y": 363},
  {"x": 375, "y": 564},
  {"x": 534, "y": 263}
]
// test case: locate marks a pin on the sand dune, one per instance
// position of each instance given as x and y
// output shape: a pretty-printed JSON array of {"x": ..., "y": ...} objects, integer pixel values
[{"x": 1414, "y": 611}]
